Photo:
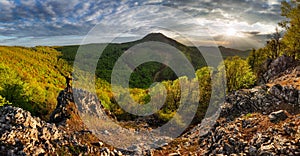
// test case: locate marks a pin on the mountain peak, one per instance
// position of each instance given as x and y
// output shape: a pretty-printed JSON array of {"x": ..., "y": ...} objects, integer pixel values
[
  {"x": 159, "y": 37},
  {"x": 155, "y": 37}
]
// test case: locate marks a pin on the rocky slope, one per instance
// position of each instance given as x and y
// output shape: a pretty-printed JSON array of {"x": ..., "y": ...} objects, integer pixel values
[{"x": 264, "y": 120}]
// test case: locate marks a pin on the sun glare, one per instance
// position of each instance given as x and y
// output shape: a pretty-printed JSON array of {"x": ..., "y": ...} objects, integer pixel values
[{"x": 231, "y": 32}]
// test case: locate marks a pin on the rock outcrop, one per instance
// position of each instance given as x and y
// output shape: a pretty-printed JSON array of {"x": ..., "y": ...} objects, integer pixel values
[
  {"x": 261, "y": 99},
  {"x": 89, "y": 103},
  {"x": 23, "y": 134},
  {"x": 64, "y": 108},
  {"x": 76, "y": 102},
  {"x": 259, "y": 121},
  {"x": 280, "y": 90},
  {"x": 275, "y": 68}
]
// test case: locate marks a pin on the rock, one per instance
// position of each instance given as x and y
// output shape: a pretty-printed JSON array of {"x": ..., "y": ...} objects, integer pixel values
[
  {"x": 231, "y": 141},
  {"x": 174, "y": 154},
  {"x": 63, "y": 111},
  {"x": 88, "y": 103},
  {"x": 278, "y": 116},
  {"x": 252, "y": 150},
  {"x": 228, "y": 148},
  {"x": 23, "y": 134},
  {"x": 273, "y": 68},
  {"x": 98, "y": 144},
  {"x": 255, "y": 140},
  {"x": 266, "y": 150},
  {"x": 106, "y": 132},
  {"x": 286, "y": 93}
]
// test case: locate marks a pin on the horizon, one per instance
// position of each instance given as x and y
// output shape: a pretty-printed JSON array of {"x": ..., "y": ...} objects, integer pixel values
[
  {"x": 208, "y": 46},
  {"x": 239, "y": 25}
]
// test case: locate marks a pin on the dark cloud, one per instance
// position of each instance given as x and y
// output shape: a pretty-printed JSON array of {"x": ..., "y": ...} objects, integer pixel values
[
  {"x": 251, "y": 11},
  {"x": 51, "y": 17},
  {"x": 252, "y": 33}
]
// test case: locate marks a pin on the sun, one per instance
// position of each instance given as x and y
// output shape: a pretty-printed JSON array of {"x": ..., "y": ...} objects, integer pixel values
[{"x": 231, "y": 32}]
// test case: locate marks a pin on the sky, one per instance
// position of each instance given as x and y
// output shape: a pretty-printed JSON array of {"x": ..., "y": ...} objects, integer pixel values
[{"x": 241, "y": 24}]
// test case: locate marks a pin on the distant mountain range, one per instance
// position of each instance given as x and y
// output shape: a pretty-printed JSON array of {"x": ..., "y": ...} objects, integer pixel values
[
  {"x": 148, "y": 73},
  {"x": 228, "y": 52}
]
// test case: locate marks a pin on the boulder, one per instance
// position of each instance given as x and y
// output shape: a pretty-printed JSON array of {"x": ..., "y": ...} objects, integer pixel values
[
  {"x": 75, "y": 102},
  {"x": 278, "y": 116}
]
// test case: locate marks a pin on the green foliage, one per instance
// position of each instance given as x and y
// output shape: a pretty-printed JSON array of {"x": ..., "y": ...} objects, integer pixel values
[
  {"x": 256, "y": 59},
  {"x": 274, "y": 45},
  {"x": 238, "y": 74},
  {"x": 145, "y": 74},
  {"x": 204, "y": 76},
  {"x": 11, "y": 86},
  {"x": 174, "y": 94},
  {"x": 288, "y": 44},
  {"x": 291, "y": 11},
  {"x": 30, "y": 78},
  {"x": 248, "y": 115},
  {"x": 3, "y": 101}
]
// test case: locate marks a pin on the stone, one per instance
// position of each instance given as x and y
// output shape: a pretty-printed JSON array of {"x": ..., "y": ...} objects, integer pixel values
[
  {"x": 231, "y": 141},
  {"x": 266, "y": 150},
  {"x": 252, "y": 150},
  {"x": 285, "y": 93},
  {"x": 278, "y": 116},
  {"x": 228, "y": 148}
]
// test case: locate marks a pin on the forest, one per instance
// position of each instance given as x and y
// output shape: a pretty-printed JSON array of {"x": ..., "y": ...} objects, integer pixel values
[{"x": 31, "y": 78}]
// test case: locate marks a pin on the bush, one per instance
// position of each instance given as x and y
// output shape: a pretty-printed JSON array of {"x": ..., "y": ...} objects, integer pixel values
[{"x": 3, "y": 101}]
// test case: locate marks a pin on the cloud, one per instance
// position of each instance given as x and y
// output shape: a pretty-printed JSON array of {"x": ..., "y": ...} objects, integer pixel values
[
  {"x": 32, "y": 19},
  {"x": 245, "y": 10},
  {"x": 251, "y": 33}
]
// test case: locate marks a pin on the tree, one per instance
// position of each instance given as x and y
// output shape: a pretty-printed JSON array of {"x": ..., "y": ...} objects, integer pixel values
[
  {"x": 252, "y": 58},
  {"x": 204, "y": 77},
  {"x": 291, "y": 39},
  {"x": 238, "y": 73},
  {"x": 274, "y": 44},
  {"x": 256, "y": 59},
  {"x": 11, "y": 86}
]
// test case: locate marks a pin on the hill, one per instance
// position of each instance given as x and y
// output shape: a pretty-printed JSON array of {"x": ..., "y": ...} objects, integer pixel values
[
  {"x": 229, "y": 52},
  {"x": 143, "y": 76}
]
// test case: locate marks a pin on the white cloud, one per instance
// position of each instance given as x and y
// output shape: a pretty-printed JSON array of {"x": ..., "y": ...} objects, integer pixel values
[{"x": 274, "y": 2}]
